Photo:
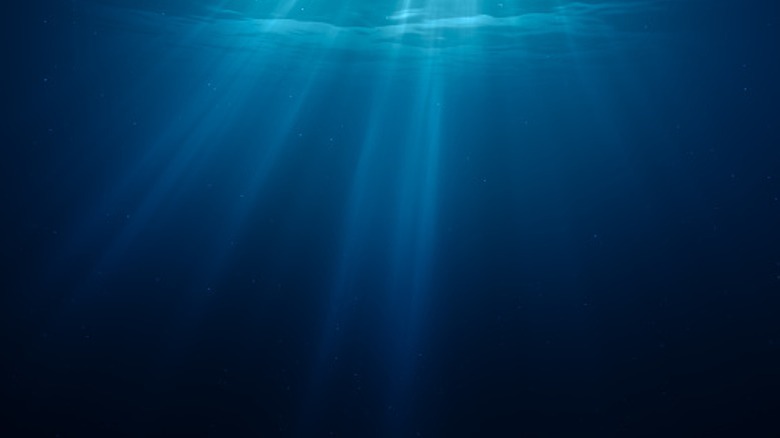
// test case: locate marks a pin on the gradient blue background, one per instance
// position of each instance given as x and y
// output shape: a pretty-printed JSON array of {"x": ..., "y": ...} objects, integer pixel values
[{"x": 243, "y": 219}]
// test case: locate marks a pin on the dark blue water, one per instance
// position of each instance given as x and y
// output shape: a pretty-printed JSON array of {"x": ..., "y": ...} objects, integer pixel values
[{"x": 390, "y": 219}]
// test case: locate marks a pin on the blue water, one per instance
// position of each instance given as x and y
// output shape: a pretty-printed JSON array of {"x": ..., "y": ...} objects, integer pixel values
[{"x": 391, "y": 219}]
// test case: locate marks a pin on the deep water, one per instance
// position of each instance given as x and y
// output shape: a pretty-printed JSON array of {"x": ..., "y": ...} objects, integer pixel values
[{"x": 390, "y": 219}]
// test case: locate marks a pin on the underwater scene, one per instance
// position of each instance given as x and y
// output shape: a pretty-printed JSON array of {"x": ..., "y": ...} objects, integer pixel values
[{"x": 407, "y": 218}]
